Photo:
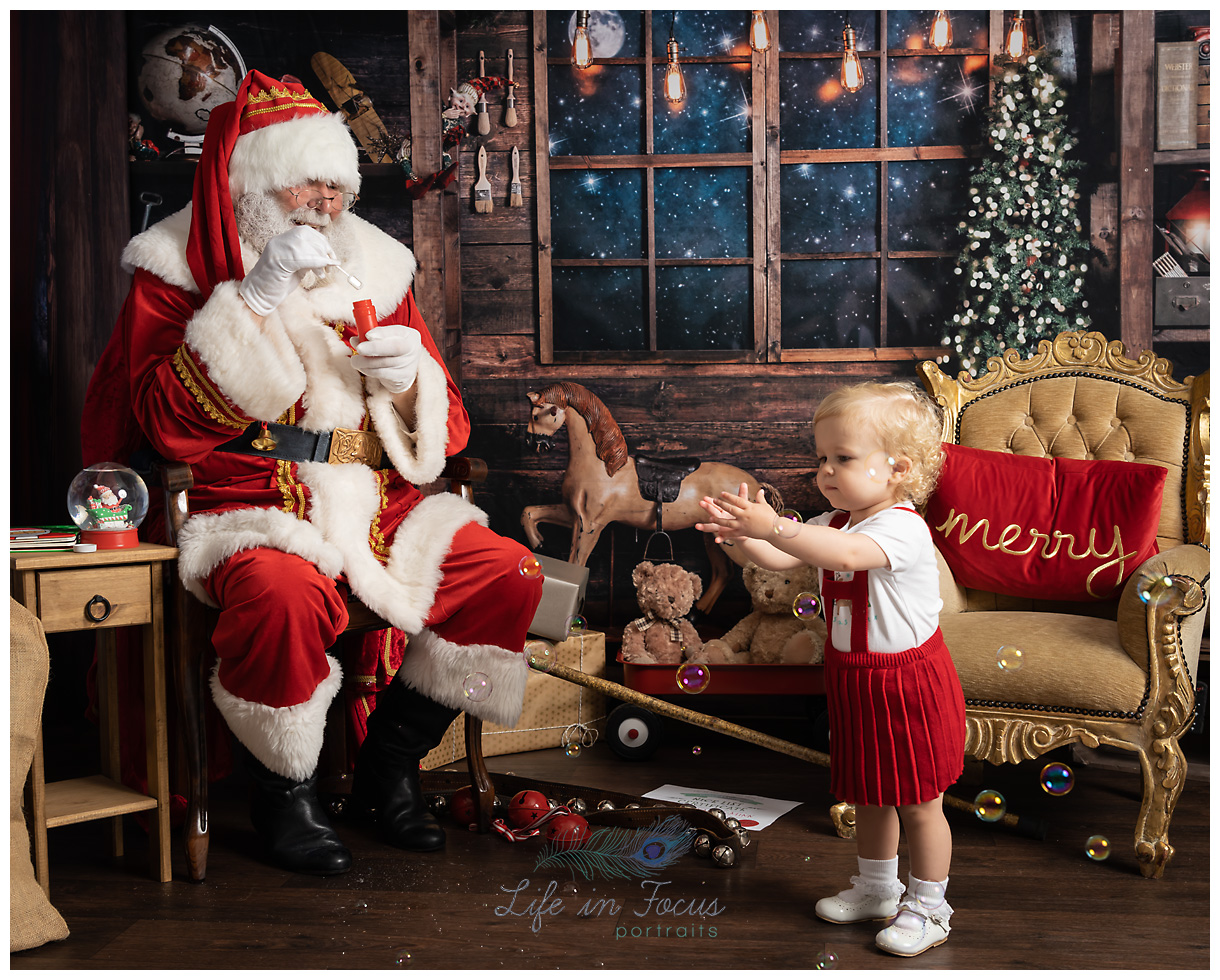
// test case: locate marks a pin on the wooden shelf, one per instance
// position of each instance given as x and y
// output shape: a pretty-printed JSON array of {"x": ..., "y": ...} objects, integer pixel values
[
  {"x": 91, "y": 798},
  {"x": 1183, "y": 157},
  {"x": 1181, "y": 335}
]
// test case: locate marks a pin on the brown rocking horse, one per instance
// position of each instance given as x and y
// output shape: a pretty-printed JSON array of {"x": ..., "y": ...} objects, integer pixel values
[{"x": 603, "y": 483}]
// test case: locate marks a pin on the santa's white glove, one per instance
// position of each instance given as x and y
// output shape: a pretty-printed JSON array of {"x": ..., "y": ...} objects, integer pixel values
[
  {"x": 391, "y": 354},
  {"x": 284, "y": 262}
]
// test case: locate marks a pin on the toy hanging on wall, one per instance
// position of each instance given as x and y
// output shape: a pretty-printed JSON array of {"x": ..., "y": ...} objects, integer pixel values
[{"x": 459, "y": 107}]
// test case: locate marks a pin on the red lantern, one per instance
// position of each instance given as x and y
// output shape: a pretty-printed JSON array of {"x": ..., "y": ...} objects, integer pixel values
[
  {"x": 461, "y": 805},
  {"x": 526, "y": 807},
  {"x": 567, "y": 831}
]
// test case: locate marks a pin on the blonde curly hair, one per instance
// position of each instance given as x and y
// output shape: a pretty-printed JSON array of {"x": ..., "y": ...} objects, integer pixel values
[{"x": 905, "y": 421}]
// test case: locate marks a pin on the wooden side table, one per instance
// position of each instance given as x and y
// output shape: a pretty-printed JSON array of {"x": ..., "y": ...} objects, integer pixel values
[{"x": 101, "y": 591}]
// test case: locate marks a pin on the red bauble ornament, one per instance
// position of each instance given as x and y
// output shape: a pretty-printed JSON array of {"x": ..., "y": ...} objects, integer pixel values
[
  {"x": 526, "y": 807},
  {"x": 462, "y": 806},
  {"x": 567, "y": 831}
]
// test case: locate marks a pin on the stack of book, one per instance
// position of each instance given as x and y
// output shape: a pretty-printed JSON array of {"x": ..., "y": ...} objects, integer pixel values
[{"x": 41, "y": 538}]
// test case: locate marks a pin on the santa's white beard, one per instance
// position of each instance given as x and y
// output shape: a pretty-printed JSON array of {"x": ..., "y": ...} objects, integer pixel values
[{"x": 260, "y": 217}]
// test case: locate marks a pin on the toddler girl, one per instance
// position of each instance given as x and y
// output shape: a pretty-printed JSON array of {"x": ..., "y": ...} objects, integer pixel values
[{"x": 897, "y": 714}]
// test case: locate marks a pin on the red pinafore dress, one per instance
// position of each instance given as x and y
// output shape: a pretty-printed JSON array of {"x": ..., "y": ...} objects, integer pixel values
[{"x": 897, "y": 720}]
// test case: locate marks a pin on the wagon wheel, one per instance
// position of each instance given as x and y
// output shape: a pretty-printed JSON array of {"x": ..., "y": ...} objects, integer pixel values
[{"x": 634, "y": 732}]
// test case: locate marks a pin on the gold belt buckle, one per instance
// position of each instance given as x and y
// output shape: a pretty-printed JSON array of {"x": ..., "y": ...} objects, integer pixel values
[{"x": 354, "y": 446}]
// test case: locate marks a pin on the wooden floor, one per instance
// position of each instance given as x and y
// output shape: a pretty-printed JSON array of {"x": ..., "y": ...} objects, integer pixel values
[{"x": 1019, "y": 903}]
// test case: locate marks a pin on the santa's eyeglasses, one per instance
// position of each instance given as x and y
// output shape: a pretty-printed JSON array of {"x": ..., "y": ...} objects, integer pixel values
[{"x": 311, "y": 196}]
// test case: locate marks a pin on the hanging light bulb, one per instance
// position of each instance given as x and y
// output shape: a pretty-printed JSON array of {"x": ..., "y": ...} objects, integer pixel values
[
  {"x": 674, "y": 85},
  {"x": 1017, "y": 44},
  {"x": 941, "y": 34},
  {"x": 760, "y": 34},
  {"x": 851, "y": 74},
  {"x": 582, "y": 47}
]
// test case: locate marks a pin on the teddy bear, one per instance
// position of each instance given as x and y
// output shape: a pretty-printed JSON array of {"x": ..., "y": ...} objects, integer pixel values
[
  {"x": 772, "y": 633},
  {"x": 665, "y": 593}
]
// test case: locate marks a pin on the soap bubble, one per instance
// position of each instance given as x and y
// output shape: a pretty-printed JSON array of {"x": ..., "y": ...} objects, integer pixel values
[
  {"x": 989, "y": 806},
  {"x": 1155, "y": 590},
  {"x": 402, "y": 959},
  {"x": 1010, "y": 658},
  {"x": 540, "y": 655},
  {"x": 696, "y": 750},
  {"x": 572, "y": 750},
  {"x": 577, "y": 625},
  {"x": 1057, "y": 779},
  {"x": 530, "y": 567},
  {"x": 879, "y": 466},
  {"x": 806, "y": 606},
  {"x": 787, "y": 523},
  {"x": 693, "y": 678},
  {"x": 1097, "y": 847},
  {"x": 477, "y": 686},
  {"x": 826, "y": 960},
  {"x": 930, "y": 894}
]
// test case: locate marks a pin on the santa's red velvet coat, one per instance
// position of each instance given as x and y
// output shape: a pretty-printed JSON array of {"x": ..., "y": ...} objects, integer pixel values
[{"x": 188, "y": 374}]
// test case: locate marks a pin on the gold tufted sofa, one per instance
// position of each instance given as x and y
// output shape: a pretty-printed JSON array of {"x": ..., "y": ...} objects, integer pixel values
[{"x": 1119, "y": 672}]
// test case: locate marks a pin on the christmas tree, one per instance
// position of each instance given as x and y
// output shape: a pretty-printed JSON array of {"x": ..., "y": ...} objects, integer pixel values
[{"x": 1022, "y": 268}]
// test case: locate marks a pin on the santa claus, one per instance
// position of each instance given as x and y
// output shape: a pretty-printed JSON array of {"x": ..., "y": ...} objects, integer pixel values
[{"x": 237, "y": 353}]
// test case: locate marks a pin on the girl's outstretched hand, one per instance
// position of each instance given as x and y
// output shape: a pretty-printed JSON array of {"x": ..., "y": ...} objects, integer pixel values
[{"x": 735, "y": 515}]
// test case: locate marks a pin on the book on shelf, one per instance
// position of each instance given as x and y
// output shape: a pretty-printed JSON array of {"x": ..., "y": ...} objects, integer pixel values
[
  {"x": 1177, "y": 110},
  {"x": 48, "y": 538}
]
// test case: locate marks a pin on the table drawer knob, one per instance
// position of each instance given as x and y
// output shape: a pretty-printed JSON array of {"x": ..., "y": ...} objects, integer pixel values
[{"x": 96, "y": 601}]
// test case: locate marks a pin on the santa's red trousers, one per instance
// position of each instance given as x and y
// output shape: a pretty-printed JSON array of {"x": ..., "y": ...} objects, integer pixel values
[{"x": 279, "y": 614}]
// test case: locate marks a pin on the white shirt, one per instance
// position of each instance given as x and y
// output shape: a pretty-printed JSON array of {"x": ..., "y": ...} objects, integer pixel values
[{"x": 903, "y": 598}]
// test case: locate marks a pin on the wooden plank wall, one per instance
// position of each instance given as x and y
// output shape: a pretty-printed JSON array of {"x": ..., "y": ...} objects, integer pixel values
[{"x": 754, "y": 416}]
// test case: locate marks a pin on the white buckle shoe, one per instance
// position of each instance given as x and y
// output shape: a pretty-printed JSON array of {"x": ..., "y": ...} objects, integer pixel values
[
  {"x": 870, "y": 904},
  {"x": 911, "y": 940}
]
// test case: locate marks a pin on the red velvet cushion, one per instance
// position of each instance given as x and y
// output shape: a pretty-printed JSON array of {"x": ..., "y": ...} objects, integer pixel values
[{"x": 1044, "y": 528}]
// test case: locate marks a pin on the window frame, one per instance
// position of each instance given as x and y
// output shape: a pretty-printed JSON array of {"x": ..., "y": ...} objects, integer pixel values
[{"x": 764, "y": 160}]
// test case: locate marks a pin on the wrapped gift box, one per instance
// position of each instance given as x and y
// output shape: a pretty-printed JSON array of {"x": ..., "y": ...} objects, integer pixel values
[{"x": 551, "y": 706}]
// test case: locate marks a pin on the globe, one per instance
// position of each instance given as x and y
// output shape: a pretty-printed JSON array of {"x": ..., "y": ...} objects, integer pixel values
[{"x": 185, "y": 73}]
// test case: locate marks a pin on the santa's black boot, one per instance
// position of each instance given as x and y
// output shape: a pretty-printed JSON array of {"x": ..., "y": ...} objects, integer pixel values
[
  {"x": 292, "y": 825},
  {"x": 403, "y": 728}
]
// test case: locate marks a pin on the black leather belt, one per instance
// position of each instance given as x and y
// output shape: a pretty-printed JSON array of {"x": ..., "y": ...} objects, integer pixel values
[{"x": 271, "y": 440}]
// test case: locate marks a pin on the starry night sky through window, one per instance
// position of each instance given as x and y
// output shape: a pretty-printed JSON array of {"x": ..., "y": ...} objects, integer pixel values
[{"x": 706, "y": 213}]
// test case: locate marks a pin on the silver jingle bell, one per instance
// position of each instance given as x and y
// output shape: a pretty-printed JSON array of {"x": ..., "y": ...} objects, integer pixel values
[
  {"x": 439, "y": 804},
  {"x": 632, "y": 806},
  {"x": 716, "y": 812},
  {"x": 732, "y": 823},
  {"x": 723, "y": 856},
  {"x": 702, "y": 845},
  {"x": 578, "y": 806},
  {"x": 551, "y": 804},
  {"x": 743, "y": 837},
  {"x": 605, "y": 805}
]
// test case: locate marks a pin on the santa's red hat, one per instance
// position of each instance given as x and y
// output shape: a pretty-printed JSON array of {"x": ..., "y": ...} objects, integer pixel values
[{"x": 273, "y": 135}]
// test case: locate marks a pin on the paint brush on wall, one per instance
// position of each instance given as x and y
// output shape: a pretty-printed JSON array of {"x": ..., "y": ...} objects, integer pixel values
[
  {"x": 510, "y": 105},
  {"x": 484, "y": 120},
  {"x": 514, "y": 196},
  {"x": 482, "y": 187}
]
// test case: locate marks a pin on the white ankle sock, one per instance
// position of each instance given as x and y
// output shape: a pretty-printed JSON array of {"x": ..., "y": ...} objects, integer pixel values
[
  {"x": 879, "y": 877},
  {"x": 929, "y": 897}
]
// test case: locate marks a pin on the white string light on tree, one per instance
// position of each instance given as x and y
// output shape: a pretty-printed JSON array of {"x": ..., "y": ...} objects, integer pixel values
[{"x": 1023, "y": 265}]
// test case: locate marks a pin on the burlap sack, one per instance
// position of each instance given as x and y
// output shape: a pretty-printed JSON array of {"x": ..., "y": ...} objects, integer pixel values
[{"x": 32, "y": 918}]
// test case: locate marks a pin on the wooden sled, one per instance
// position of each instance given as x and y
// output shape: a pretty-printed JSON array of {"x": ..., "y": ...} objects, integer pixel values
[{"x": 355, "y": 105}]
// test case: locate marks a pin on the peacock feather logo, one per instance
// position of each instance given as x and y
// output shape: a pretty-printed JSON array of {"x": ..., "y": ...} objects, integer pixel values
[{"x": 623, "y": 852}]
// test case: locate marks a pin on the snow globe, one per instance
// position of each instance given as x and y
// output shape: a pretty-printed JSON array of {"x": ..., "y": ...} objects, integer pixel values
[{"x": 107, "y": 501}]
